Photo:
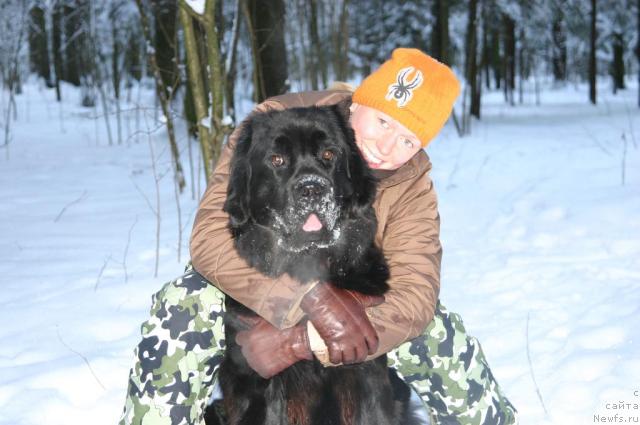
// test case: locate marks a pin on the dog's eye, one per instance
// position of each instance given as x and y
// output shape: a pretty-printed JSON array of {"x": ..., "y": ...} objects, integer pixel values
[
  {"x": 327, "y": 155},
  {"x": 277, "y": 160}
]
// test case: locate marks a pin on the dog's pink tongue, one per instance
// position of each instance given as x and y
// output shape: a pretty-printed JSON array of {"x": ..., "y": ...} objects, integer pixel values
[{"x": 312, "y": 224}]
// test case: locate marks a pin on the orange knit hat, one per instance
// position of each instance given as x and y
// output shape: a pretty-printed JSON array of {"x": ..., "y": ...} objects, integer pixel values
[{"x": 414, "y": 89}]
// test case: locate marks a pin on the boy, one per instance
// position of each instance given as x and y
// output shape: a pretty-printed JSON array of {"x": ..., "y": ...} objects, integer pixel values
[{"x": 395, "y": 112}]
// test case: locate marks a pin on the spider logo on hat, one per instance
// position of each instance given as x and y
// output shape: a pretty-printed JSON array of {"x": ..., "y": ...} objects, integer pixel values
[{"x": 402, "y": 90}]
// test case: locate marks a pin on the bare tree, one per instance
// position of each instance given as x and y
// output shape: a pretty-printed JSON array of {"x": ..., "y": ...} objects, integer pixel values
[
  {"x": 471, "y": 64},
  {"x": 341, "y": 51},
  {"x": 559, "y": 41},
  {"x": 57, "y": 24},
  {"x": 14, "y": 26},
  {"x": 117, "y": 58},
  {"x": 161, "y": 93},
  {"x": 592, "y": 54},
  {"x": 212, "y": 128},
  {"x": 165, "y": 42},
  {"x": 617, "y": 65},
  {"x": 38, "y": 51},
  {"x": 509, "y": 61},
  {"x": 440, "y": 33},
  {"x": 265, "y": 20},
  {"x": 318, "y": 63},
  {"x": 231, "y": 62}
]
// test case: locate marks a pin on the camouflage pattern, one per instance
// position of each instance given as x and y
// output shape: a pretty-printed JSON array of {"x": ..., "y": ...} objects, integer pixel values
[
  {"x": 182, "y": 344},
  {"x": 448, "y": 370},
  {"x": 174, "y": 365}
]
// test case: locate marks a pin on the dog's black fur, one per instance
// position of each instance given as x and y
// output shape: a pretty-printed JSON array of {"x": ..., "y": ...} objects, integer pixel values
[{"x": 281, "y": 173}]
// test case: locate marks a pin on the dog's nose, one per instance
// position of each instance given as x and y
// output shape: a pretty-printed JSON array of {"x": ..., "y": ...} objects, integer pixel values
[{"x": 310, "y": 189}]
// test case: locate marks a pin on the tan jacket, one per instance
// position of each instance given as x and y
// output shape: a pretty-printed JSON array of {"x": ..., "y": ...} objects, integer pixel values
[{"x": 408, "y": 233}]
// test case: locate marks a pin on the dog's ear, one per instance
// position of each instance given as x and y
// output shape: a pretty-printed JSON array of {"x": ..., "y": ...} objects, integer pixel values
[
  {"x": 342, "y": 108},
  {"x": 363, "y": 182},
  {"x": 237, "y": 202}
]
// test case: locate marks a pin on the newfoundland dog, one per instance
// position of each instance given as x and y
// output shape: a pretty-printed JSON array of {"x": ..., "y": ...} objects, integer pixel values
[{"x": 300, "y": 202}]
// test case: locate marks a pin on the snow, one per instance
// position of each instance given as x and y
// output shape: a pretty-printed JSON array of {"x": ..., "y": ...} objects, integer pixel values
[
  {"x": 227, "y": 120},
  {"x": 540, "y": 238},
  {"x": 196, "y": 5}
]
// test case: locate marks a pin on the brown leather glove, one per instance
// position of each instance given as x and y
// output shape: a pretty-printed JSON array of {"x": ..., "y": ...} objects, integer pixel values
[
  {"x": 339, "y": 317},
  {"x": 269, "y": 350}
]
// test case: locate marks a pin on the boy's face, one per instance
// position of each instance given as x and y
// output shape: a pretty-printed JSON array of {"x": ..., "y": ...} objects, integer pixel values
[{"x": 384, "y": 142}]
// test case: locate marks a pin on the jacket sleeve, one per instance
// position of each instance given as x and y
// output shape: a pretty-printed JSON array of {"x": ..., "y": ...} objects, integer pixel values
[
  {"x": 411, "y": 245},
  {"x": 214, "y": 256}
]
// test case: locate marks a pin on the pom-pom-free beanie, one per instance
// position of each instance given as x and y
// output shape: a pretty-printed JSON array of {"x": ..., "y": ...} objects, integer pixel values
[{"x": 414, "y": 89}]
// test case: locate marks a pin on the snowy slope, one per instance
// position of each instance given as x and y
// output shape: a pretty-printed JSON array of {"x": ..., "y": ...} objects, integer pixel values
[{"x": 536, "y": 226}]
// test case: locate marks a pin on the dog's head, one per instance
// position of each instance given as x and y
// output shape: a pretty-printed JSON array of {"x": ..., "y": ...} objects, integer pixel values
[{"x": 299, "y": 174}]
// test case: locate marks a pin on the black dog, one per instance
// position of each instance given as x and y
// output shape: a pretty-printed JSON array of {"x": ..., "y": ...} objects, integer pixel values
[{"x": 300, "y": 202}]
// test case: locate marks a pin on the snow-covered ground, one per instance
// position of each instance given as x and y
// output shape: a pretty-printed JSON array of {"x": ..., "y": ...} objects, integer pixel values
[{"x": 541, "y": 253}]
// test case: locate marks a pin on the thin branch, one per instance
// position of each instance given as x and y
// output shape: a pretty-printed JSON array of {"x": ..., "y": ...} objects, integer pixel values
[
  {"x": 596, "y": 141},
  {"x": 157, "y": 209},
  {"x": 535, "y": 384},
  {"x": 68, "y": 205},
  {"x": 82, "y": 357},
  {"x": 143, "y": 195},
  {"x": 126, "y": 250},
  {"x": 104, "y": 266},
  {"x": 630, "y": 118},
  {"x": 624, "y": 157}
]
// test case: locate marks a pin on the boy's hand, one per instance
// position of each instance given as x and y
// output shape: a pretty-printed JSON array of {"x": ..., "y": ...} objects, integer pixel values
[
  {"x": 340, "y": 319},
  {"x": 269, "y": 350}
]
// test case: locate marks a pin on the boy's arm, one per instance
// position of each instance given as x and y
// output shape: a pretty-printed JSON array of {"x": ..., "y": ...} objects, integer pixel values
[{"x": 411, "y": 245}]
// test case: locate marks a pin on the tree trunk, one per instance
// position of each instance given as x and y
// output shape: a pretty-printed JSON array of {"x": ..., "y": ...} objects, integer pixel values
[
  {"x": 495, "y": 57},
  {"x": 132, "y": 59},
  {"x": 57, "y": 46},
  {"x": 216, "y": 82},
  {"x": 207, "y": 85},
  {"x": 486, "y": 51},
  {"x": 116, "y": 68},
  {"x": 117, "y": 62},
  {"x": 75, "y": 41},
  {"x": 509, "y": 62},
  {"x": 559, "y": 44},
  {"x": 230, "y": 68},
  {"x": 471, "y": 66},
  {"x": 38, "y": 52},
  {"x": 592, "y": 55},
  {"x": 617, "y": 67},
  {"x": 165, "y": 44},
  {"x": 270, "y": 55},
  {"x": 522, "y": 66},
  {"x": 319, "y": 63},
  {"x": 440, "y": 34},
  {"x": 342, "y": 71},
  {"x": 161, "y": 92},
  {"x": 196, "y": 87}
]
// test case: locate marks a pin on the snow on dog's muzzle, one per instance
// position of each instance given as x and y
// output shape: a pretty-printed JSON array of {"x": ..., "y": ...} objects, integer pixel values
[{"x": 315, "y": 203}]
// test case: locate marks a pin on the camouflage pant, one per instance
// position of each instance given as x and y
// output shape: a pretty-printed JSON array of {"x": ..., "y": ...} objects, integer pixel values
[{"x": 182, "y": 344}]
